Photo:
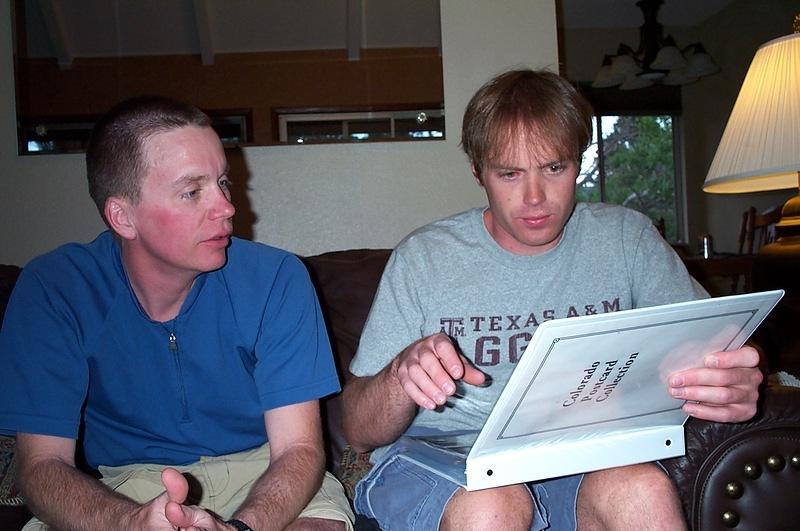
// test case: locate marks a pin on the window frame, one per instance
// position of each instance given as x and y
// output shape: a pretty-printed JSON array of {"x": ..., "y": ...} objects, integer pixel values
[
  {"x": 659, "y": 100},
  {"x": 234, "y": 127},
  {"x": 341, "y": 117}
]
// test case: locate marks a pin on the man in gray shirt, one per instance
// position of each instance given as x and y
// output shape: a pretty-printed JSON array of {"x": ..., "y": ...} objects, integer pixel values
[{"x": 461, "y": 297}]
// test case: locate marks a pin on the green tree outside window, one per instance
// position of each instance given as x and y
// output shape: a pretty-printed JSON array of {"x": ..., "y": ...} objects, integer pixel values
[{"x": 637, "y": 169}]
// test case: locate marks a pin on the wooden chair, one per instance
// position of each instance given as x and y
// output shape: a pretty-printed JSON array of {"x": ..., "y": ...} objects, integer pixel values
[{"x": 757, "y": 229}]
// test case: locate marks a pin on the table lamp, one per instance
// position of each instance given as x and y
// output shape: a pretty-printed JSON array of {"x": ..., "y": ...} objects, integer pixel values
[
  {"x": 760, "y": 151},
  {"x": 760, "y": 148}
]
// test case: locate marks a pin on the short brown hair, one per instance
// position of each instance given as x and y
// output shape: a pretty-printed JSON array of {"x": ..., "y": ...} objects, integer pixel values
[
  {"x": 115, "y": 160},
  {"x": 535, "y": 103}
]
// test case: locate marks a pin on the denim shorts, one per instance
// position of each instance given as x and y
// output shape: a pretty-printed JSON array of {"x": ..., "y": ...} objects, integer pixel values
[{"x": 399, "y": 494}]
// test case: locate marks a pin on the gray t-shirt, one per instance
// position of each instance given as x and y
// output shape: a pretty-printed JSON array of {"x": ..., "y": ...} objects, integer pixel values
[{"x": 451, "y": 276}]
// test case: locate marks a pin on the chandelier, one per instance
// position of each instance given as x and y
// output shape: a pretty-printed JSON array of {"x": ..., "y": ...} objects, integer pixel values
[{"x": 658, "y": 59}]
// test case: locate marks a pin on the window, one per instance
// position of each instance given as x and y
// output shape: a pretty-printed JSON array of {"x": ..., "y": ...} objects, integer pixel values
[
  {"x": 631, "y": 162},
  {"x": 71, "y": 134},
  {"x": 634, "y": 159},
  {"x": 319, "y": 126}
]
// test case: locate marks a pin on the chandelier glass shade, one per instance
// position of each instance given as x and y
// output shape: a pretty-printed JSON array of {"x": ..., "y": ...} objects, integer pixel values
[{"x": 658, "y": 59}]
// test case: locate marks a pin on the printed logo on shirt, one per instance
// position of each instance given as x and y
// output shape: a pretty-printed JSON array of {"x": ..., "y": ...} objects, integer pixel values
[{"x": 491, "y": 349}]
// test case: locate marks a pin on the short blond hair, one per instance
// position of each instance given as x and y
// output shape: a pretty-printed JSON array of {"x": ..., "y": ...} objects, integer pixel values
[{"x": 534, "y": 104}]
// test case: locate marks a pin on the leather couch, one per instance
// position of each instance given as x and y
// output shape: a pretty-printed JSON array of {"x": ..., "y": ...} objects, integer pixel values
[{"x": 734, "y": 476}]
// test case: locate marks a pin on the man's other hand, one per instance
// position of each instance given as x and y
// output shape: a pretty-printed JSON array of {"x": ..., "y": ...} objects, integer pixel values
[
  {"x": 725, "y": 390},
  {"x": 167, "y": 511},
  {"x": 428, "y": 369}
]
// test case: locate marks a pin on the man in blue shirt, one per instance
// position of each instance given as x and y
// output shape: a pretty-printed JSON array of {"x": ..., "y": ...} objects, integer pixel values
[{"x": 172, "y": 348}]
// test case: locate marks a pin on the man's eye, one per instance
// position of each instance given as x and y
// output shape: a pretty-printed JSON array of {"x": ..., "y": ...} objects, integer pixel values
[
  {"x": 556, "y": 168},
  {"x": 225, "y": 183},
  {"x": 191, "y": 194}
]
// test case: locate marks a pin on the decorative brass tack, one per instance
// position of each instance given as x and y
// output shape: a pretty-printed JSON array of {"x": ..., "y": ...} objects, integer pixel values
[
  {"x": 795, "y": 460},
  {"x": 733, "y": 489},
  {"x": 776, "y": 462},
  {"x": 730, "y": 519},
  {"x": 752, "y": 470}
]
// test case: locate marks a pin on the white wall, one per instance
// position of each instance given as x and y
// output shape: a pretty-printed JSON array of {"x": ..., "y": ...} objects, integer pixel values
[{"x": 307, "y": 199}]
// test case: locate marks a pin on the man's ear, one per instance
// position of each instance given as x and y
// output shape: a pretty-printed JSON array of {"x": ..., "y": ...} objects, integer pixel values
[
  {"x": 119, "y": 217},
  {"x": 476, "y": 174}
]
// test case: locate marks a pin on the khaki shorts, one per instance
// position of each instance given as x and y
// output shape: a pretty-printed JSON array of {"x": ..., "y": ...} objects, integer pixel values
[{"x": 219, "y": 484}]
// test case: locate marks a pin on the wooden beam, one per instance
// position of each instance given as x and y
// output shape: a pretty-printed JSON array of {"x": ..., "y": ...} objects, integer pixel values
[
  {"x": 203, "y": 23},
  {"x": 57, "y": 31},
  {"x": 355, "y": 28}
]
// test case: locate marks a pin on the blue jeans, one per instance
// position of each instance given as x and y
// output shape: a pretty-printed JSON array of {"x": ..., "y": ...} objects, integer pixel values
[{"x": 402, "y": 495}]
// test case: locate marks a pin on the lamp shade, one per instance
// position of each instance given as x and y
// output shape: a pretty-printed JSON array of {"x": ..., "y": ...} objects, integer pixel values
[
  {"x": 760, "y": 148},
  {"x": 699, "y": 63},
  {"x": 668, "y": 57},
  {"x": 679, "y": 76},
  {"x": 635, "y": 82},
  {"x": 606, "y": 76}
]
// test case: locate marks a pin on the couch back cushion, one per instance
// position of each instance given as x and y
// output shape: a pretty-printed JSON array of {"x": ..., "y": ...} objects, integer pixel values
[
  {"x": 8, "y": 276},
  {"x": 346, "y": 282}
]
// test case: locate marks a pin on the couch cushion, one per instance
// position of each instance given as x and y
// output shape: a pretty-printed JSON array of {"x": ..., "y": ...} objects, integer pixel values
[
  {"x": 9, "y": 495},
  {"x": 8, "y": 276},
  {"x": 346, "y": 282}
]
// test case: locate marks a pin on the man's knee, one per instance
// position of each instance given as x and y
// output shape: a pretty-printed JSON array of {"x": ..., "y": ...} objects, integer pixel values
[
  {"x": 498, "y": 508},
  {"x": 620, "y": 497},
  {"x": 640, "y": 481}
]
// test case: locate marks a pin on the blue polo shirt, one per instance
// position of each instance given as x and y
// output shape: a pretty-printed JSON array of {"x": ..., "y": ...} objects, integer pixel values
[{"x": 78, "y": 352}]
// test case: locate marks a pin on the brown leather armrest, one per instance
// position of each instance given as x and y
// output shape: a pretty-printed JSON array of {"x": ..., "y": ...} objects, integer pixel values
[{"x": 747, "y": 474}]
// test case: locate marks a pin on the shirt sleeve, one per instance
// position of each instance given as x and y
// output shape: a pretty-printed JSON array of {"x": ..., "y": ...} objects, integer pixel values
[
  {"x": 395, "y": 320},
  {"x": 658, "y": 275},
  {"x": 44, "y": 374},
  {"x": 294, "y": 360}
]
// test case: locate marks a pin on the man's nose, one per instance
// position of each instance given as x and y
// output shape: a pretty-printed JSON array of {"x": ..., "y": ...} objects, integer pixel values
[
  {"x": 223, "y": 207},
  {"x": 533, "y": 192}
]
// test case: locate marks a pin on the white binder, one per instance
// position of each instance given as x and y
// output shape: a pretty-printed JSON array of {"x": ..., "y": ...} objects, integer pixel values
[{"x": 591, "y": 393}]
